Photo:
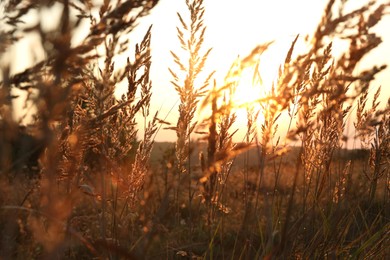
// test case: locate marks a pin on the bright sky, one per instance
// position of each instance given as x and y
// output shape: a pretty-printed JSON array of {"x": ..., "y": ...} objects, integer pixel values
[{"x": 235, "y": 28}]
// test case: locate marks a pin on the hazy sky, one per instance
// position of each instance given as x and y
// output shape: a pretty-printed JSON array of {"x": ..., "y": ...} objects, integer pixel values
[{"x": 233, "y": 28}]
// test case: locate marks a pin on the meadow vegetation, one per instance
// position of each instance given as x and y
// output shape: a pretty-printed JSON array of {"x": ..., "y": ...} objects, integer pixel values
[{"x": 77, "y": 183}]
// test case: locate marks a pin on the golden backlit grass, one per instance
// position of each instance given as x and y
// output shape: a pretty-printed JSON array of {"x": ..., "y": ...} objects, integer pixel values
[{"x": 77, "y": 183}]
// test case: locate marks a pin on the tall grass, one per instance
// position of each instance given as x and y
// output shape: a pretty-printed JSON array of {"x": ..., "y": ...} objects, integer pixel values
[{"x": 76, "y": 182}]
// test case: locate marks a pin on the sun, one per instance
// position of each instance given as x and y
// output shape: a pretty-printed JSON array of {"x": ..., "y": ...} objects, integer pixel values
[
  {"x": 255, "y": 82},
  {"x": 247, "y": 90}
]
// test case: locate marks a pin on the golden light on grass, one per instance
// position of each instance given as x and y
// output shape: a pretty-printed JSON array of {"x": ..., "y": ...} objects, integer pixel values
[{"x": 87, "y": 178}]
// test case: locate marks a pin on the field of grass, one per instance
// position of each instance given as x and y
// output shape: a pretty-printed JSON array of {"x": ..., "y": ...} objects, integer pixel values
[{"x": 77, "y": 182}]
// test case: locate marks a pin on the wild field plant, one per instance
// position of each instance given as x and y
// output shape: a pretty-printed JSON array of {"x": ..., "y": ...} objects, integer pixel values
[
  {"x": 76, "y": 182},
  {"x": 191, "y": 37},
  {"x": 88, "y": 182}
]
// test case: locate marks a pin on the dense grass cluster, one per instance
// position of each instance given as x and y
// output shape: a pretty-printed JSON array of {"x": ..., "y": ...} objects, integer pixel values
[{"x": 76, "y": 182}]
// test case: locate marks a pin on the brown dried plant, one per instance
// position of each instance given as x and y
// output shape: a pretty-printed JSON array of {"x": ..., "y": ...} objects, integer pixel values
[
  {"x": 191, "y": 37},
  {"x": 88, "y": 133}
]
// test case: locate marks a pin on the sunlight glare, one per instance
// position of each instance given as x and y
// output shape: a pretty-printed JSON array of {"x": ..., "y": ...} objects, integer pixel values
[{"x": 255, "y": 83}]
